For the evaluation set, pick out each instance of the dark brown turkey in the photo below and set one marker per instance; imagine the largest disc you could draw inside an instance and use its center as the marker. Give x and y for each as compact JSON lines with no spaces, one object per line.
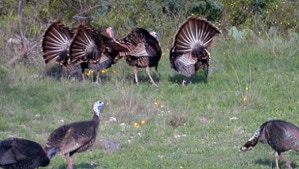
{"x":280,"y":135}
{"x":18,"y":153}
{"x":91,"y":48}
{"x":189,"y":51}
{"x":55,"y":45}
{"x":75,"y":137}
{"x":140,"y":49}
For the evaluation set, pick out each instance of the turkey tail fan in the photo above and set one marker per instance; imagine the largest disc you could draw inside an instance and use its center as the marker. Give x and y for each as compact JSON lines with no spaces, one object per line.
{"x":192,"y":32}
{"x":56,"y":42}
{"x":189,"y":51}
{"x":87,"y":45}
{"x":253,"y":140}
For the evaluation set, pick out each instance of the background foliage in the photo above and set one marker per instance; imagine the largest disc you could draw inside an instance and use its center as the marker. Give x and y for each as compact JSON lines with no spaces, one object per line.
{"x":162,"y":16}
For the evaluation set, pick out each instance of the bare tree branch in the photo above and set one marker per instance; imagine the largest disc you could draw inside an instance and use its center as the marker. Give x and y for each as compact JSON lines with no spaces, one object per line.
{"x":24,"y":42}
{"x":20,"y":14}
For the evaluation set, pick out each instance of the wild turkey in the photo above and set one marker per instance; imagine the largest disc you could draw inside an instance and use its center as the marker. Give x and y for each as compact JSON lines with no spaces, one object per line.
{"x":18,"y":153}
{"x":280,"y":135}
{"x":75,"y":137}
{"x":189,"y":51}
{"x":55,"y":45}
{"x":140,"y":49}
{"x":90,"y":48}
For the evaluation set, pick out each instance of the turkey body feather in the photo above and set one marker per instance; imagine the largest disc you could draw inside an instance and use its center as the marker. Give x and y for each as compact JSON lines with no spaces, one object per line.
{"x":74,"y":137}
{"x":17,"y":153}
{"x":280,"y":135}
{"x":189,"y":51}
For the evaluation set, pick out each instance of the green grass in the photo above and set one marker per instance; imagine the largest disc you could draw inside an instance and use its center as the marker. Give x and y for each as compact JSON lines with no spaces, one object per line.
{"x":201,"y":125}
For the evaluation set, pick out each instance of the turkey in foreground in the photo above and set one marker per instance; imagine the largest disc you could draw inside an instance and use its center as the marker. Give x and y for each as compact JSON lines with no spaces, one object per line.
{"x":20,"y":153}
{"x":189,"y":51}
{"x":75,"y":137}
{"x":55,"y":45}
{"x":140,"y":49}
{"x":280,"y":135}
{"x":89,"y":48}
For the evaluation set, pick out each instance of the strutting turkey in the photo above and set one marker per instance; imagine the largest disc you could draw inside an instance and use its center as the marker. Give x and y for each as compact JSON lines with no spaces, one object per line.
{"x":280,"y":135}
{"x":75,"y":137}
{"x":140,"y":49}
{"x":55,"y":45}
{"x":91,"y":48}
{"x":18,"y":153}
{"x":189,"y":51}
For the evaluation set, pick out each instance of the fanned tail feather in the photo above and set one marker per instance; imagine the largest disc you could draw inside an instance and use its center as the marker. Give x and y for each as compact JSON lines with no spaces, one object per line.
{"x":254,"y":139}
{"x":192,"y":32}
{"x":55,"y":43}
{"x":87,"y":45}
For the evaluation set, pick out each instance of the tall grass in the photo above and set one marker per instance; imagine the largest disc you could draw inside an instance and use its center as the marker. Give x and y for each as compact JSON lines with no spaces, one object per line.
{"x":201,"y":125}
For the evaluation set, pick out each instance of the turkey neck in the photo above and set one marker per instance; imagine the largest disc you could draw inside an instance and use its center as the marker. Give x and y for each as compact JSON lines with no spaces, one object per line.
{"x":96,"y":120}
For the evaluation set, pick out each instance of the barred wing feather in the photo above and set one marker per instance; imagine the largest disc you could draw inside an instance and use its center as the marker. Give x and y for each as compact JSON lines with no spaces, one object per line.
{"x":139,"y":43}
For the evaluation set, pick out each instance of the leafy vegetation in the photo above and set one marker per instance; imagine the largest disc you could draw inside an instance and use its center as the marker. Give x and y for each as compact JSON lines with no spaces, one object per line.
{"x":253,"y":78}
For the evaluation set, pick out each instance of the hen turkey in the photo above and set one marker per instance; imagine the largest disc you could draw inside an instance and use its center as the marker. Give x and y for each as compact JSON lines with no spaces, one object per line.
{"x":280,"y":135}
{"x":18,"y":153}
{"x":55,"y":45}
{"x":89,"y":47}
{"x":140,"y":49}
{"x":189,"y":51}
{"x":75,"y":137}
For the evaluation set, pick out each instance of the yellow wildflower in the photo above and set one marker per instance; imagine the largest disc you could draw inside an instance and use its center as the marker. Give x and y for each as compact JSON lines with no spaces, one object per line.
{"x":89,"y":72}
{"x":244,"y":99}
{"x":156,"y":103}
{"x":136,"y":124}
{"x":143,"y":121}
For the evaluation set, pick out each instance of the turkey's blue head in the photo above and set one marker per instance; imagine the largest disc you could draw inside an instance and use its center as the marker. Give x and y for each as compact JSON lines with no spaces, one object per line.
{"x":97,"y":107}
{"x":154,"y":34}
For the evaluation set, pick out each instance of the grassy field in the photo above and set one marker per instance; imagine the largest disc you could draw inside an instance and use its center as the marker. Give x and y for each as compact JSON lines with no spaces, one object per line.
{"x":201,"y":125}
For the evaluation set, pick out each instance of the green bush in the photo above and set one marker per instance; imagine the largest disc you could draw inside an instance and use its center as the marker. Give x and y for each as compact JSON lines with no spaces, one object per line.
{"x":211,"y":9}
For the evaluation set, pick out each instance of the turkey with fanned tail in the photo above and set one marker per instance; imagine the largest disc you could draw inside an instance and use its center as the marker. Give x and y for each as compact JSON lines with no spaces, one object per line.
{"x":140,"y":50}
{"x":55,"y":45}
{"x":75,"y":137}
{"x":189,"y":51}
{"x":90,"y":48}
{"x":18,"y":153}
{"x":280,"y":135}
